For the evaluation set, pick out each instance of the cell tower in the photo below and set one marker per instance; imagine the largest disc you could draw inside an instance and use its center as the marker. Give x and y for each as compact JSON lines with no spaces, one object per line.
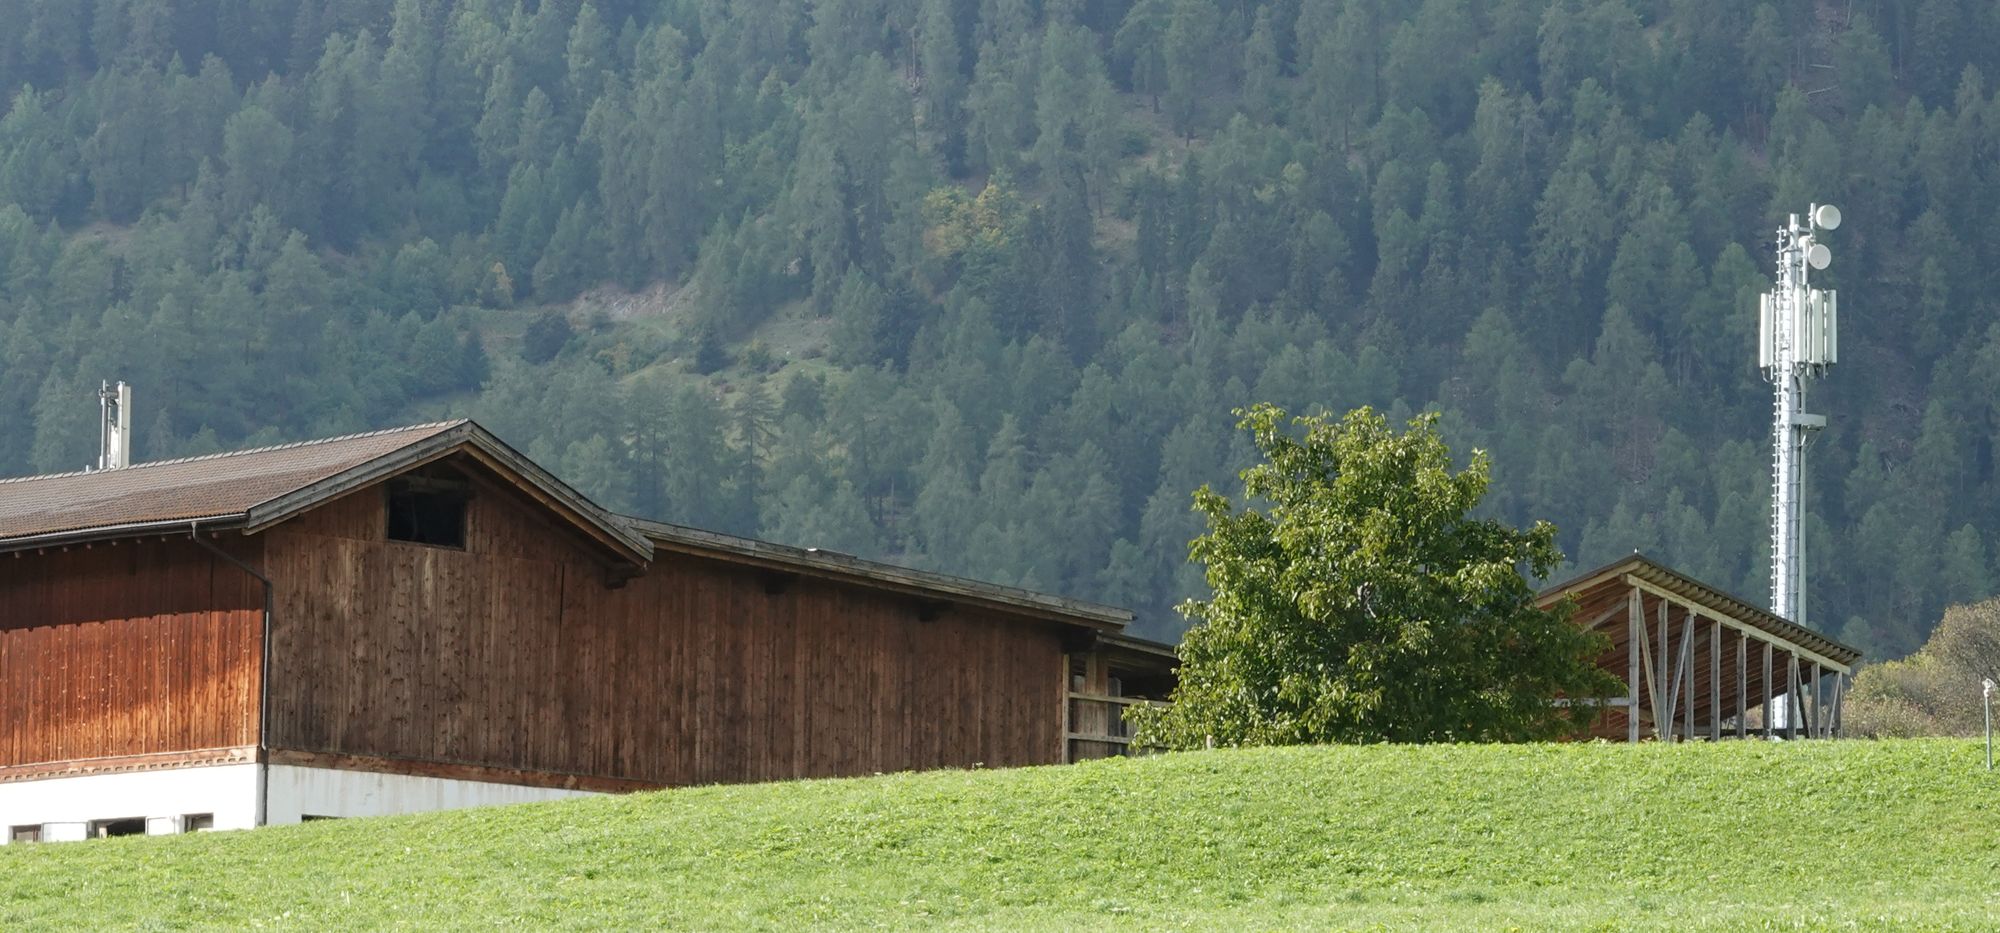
{"x":1797,"y":341}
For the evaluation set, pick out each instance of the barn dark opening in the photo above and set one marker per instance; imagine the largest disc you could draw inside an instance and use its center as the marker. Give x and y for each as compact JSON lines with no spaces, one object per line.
{"x":425,"y":514}
{"x":129,"y":826}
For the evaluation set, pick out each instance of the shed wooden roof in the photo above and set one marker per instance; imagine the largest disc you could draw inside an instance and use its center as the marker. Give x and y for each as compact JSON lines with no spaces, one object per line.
{"x":1601,"y":594}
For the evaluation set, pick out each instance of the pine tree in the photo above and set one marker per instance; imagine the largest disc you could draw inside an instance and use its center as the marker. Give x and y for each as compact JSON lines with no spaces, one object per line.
{"x":588,"y":60}
{"x":944,"y":79}
{"x":1192,"y":52}
{"x":1261,"y":68}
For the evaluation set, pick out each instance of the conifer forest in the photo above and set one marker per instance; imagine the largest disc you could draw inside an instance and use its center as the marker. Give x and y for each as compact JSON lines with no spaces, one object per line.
{"x":974,"y":285}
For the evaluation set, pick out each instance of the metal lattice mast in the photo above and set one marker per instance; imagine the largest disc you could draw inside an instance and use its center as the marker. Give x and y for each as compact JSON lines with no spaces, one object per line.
{"x":1797,"y":342}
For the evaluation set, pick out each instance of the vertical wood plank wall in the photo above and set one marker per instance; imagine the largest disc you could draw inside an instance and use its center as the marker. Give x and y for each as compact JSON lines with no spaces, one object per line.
{"x":137,"y":648}
{"x":513,"y":653}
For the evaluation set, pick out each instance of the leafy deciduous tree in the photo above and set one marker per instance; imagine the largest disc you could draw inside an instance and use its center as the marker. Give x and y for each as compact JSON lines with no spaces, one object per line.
{"x":1362,"y":603}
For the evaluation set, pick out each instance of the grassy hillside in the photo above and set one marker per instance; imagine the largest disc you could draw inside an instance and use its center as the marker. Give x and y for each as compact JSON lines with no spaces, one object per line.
{"x":1583,"y":837}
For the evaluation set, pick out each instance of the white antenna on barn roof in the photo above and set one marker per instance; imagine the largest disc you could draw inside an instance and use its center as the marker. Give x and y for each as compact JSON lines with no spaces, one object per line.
{"x":1796,"y":342}
{"x":114,"y":426}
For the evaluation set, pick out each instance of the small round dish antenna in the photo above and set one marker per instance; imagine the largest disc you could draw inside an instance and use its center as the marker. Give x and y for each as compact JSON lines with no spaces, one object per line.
{"x":1817,"y":255}
{"x":1826,"y":217}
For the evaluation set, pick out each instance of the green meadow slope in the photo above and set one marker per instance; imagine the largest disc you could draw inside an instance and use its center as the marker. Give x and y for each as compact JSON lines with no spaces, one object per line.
{"x":1837,"y":835}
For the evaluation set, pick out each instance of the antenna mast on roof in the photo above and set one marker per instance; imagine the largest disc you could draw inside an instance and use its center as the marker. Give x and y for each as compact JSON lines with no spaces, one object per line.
{"x":114,"y":426}
{"x":1796,"y":342}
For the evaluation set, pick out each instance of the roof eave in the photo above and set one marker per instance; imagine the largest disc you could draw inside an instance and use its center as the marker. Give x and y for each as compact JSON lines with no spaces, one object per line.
{"x":220,"y":522}
{"x":845,"y":567}
{"x":618,"y":532}
{"x":1145,"y":646}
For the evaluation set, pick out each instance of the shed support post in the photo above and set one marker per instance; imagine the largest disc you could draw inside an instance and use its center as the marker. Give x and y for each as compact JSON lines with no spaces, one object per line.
{"x":1742,"y":684}
{"x":1767,"y":691}
{"x":1663,"y":717}
{"x":1635,"y":624}
{"x":1656,"y":688}
{"x":1062,"y":693}
{"x":1791,"y":695}
{"x":1818,"y":719}
{"x":1715,"y":680}
{"x":1687,"y":676}
{"x":1839,"y":693}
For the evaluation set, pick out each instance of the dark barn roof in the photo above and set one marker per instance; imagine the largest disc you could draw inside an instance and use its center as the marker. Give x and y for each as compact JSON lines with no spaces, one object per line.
{"x":255,"y":489}
{"x":251,"y":490}
{"x":226,"y":484}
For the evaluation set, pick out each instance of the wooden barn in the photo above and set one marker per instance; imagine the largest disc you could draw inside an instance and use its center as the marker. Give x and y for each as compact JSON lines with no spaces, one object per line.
{"x":421,"y":618}
{"x":1699,"y":663}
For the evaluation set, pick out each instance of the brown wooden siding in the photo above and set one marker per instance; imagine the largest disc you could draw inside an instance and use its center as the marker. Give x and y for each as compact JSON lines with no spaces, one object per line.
{"x":514,"y":653}
{"x":144,"y":647}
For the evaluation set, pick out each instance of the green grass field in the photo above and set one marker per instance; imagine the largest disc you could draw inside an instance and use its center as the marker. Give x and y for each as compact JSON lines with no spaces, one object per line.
{"x":1800,"y":836}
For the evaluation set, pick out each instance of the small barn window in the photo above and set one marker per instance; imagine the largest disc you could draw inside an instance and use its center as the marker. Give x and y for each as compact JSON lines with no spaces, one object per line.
{"x":197,"y":822}
{"x":426,"y":516}
{"x":32,"y":833}
{"x":124,"y":826}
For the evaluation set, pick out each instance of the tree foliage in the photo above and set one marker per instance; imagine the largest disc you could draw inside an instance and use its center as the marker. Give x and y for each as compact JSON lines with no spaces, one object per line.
{"x":1936,"y":691}
{"x":1362,"y":602}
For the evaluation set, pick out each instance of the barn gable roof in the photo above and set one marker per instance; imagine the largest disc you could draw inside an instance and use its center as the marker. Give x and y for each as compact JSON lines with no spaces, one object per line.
{"x":252,"y":490}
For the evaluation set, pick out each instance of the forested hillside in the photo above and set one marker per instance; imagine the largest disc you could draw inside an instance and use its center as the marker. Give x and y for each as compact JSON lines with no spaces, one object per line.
{"x":974,"y":284}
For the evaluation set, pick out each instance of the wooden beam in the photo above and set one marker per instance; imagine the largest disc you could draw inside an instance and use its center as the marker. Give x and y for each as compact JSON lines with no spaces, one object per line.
{"x":1601,"y":618}
{"x":1683,"y":670}
{"x":1819,"y":709}
{"x":1655,"y":690}
{"x":1064,"y":693}
{"x":1767,"y":690}
{"x":1838,"y":723}
{"x":460,"y":771}
{"x":1106,"y":739}
{"x":1742,"y":685}
{"x":1715,"y":681}
{"x":1636,"y":641}
{"x":1791,"y":695}
{"x":1670,"y":681}
{"x":125,"y":764}
{"x":1688,"y":625}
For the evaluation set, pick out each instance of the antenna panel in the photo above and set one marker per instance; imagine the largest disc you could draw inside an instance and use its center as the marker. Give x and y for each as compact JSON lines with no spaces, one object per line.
{"x":1764,"y":335}
{"x":1816,"y":336}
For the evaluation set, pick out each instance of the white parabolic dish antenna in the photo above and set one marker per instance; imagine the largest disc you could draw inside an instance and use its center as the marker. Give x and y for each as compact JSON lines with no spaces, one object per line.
{"x":1818,"y":255}
{"x":1826,"y":217}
